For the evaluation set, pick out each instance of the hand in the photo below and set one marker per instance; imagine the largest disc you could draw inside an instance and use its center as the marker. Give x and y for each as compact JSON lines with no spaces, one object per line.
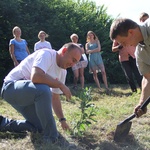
{"x":16,"y":63}
{"x":120,"y":47}
{"x":65,"y":126}
{"x":88,"y":51}
{"x":66,"y":91}
{"x":139,"y":112}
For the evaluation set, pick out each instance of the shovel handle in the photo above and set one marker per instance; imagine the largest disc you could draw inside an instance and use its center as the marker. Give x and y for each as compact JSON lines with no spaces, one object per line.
{"x":133,"y":115}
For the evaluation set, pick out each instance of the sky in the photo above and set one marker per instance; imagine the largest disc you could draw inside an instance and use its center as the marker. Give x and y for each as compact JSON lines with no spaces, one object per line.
{"x":126,"y":8}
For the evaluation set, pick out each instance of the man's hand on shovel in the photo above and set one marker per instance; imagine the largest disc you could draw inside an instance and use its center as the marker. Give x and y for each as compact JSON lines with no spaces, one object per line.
{"x":139,"y":112}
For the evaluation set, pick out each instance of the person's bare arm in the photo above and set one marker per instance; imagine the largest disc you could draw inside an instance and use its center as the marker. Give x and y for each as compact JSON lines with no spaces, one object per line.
{"x":144,"y":95}
{"x":86,"y":49}
{"x":39,"y":76}
{"x":12,"y":55}
{"x":98,"y":49}
{"x":82,"y":50}
{"x":27,"y":49}
{"x":57,"y":107}
{"x":116,"y":46}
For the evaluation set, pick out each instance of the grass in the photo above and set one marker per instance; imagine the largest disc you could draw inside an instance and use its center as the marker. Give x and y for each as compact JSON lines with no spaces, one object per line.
{"x":112,"y":109}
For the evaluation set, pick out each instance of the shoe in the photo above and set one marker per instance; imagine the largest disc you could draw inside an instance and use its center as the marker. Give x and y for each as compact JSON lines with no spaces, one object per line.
{"x":75,"y":87}
{"x":60,"y":142}
{"x":100,"y":90}
{"x":108,"y":91}
{"x":64,"y":144}
{"x":134,"y":90}
{"x":1,"y":118}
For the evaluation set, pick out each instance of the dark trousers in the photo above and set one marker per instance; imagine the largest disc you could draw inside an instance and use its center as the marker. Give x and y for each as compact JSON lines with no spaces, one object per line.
{"x":130,"y":68}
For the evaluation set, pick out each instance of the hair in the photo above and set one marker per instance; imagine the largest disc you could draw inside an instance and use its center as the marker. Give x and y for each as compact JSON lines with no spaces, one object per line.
{"x":70,"y":46}
{"x":14,"y":29}
{"x":91,"y":32}
{"x":46,"y":35}
{"x":142,"y":15}
{"x":74,"y":35}
{"x":121,"y":26}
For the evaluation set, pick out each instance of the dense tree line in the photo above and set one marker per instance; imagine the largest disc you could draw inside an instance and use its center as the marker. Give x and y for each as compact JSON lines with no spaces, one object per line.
{"x":59,"y":19}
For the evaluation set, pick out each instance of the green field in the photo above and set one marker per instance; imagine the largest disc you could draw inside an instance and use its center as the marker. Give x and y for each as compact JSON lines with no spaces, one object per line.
{"x":112,"y":108}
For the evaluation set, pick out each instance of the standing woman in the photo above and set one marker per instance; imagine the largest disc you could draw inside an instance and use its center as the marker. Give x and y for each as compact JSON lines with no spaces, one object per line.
{"x":128,"y":63}
{"x":93,"y":48}
{"x":18,"y":48}
{"x":78,"y":68}
{"x":42,"y":43}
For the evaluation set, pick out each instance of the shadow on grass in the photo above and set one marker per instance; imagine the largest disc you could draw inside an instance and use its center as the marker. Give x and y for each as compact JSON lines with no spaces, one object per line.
{"x":111,"y":92}
{"x":61,"y":144}
{"x":120,"y":93}
{"x":89,"y":142}
{"x":12,"y":135}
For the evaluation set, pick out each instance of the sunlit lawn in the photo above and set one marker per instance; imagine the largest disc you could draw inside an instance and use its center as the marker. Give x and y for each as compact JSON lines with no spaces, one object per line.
{"x":112,"y":109}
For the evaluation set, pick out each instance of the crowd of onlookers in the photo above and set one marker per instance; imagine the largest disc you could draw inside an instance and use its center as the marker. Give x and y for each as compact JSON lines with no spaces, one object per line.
{"x":19,"y":50}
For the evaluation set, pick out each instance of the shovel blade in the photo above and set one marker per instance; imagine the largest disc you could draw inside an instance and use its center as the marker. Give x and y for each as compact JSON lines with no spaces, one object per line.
{"x":122,"y":131}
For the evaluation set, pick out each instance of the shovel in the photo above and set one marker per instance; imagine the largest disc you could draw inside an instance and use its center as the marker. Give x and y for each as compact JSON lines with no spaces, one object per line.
{"x":123,"y":127}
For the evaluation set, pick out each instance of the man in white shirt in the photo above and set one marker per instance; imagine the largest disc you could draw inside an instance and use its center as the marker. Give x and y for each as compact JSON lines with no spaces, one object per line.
{"x":34,"y":87}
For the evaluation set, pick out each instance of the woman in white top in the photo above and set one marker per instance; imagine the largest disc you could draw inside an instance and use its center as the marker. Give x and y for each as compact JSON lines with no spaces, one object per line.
{"x":42,"y":43}
{"x":78,"y":68}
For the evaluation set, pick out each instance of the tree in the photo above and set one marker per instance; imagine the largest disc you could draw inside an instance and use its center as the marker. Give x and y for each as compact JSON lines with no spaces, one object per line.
{"x":59,"y":19}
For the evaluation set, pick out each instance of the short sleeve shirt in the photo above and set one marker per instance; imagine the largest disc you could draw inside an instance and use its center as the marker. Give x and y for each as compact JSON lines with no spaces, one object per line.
{"x":20,"y":47}
{"x":44,"y":59}
{"x":41,"y":45}
{"x":143,"y":49}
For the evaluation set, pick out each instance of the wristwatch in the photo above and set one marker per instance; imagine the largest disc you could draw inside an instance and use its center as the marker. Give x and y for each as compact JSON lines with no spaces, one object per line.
{"x":62,"y":119}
